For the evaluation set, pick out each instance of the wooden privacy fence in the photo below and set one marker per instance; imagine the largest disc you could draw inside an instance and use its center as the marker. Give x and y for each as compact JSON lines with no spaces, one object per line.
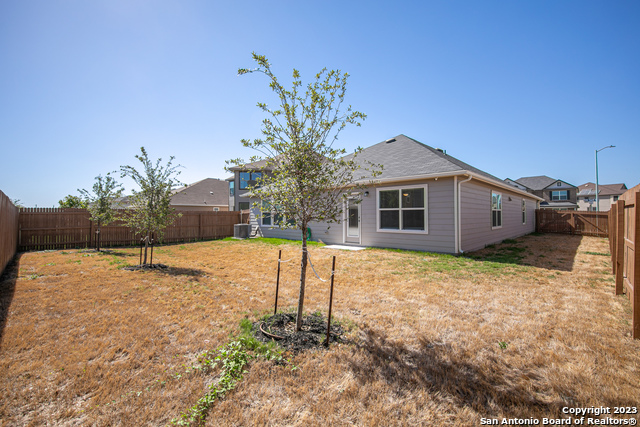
{"x":624,"y":218}
{"x":55,"y":228}
{"x":8,"y":230}
{"x":572,"y":222}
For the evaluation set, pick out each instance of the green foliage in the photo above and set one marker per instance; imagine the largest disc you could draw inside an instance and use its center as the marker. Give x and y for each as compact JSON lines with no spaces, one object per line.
{"x":308,"y":175}
{"x":598,"y":253}
{"x":101,"y":199}
{"x":307,"y":178}
{"x":100,"y":202}
{"x":150,"y":212}
{"x":72,"y":202}
{"x":232,"y":359}
{"x":17,"y":203}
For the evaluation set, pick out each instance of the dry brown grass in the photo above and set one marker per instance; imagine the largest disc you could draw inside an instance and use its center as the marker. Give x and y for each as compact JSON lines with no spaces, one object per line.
{"x":88,"y":343}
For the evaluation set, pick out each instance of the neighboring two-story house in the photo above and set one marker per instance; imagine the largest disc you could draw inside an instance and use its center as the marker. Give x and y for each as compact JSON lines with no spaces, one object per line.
{"x":243,"y":177}
{"x":557,"y":194}
{"x":607,"y":194}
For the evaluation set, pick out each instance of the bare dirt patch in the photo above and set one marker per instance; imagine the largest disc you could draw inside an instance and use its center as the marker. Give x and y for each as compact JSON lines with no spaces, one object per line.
{"x":281,"y":328}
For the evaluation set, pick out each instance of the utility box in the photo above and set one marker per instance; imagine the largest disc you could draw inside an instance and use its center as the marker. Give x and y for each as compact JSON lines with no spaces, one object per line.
{"x":241,"y":231}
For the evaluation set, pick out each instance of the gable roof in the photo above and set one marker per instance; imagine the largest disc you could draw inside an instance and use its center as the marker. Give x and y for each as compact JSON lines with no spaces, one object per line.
{"x":197,"y":194}
{"x":402,"y":156}
{"x":536,"y":182}
{"x":405,"y":158}
{"x":207,"y":192}
{"x":589,"y":189}
{"x":250,"y":166}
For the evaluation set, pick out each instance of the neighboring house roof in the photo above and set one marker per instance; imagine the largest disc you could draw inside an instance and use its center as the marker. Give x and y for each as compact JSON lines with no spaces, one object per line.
{"x":556,"y":205}
{"x":207,"y":192}
{"x":516,"y":184}
{"x":539,"y":182}
{"x":250,"y":166}
{"x":589,"y":189}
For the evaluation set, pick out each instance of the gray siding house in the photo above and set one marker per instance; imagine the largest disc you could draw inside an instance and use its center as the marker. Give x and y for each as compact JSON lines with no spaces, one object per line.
{"x":424,"y":200}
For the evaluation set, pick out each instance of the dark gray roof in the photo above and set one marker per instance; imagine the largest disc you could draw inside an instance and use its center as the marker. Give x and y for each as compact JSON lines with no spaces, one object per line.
{"x":208,"y":192}
{"x":250,"y":166}
{"x":536,"y":182}
{"x":196,"y":194}
{"x":558,"y":205}
{"x":403,"y":157}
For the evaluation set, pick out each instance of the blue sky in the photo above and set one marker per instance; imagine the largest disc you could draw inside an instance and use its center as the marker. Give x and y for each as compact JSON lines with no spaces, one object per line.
{"x":516,"y":88}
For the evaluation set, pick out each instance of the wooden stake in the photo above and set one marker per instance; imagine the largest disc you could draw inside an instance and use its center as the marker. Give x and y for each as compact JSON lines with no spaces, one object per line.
{"x":275,"y":309}
{"x":333,"y":270}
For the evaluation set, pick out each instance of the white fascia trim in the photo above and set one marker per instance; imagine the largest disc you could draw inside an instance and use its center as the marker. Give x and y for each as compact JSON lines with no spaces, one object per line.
{"x":450,"y":174}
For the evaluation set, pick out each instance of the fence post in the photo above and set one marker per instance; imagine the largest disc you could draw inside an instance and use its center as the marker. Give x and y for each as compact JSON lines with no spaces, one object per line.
{"x":619,"y":251}
{"x":635,"y":280}
{"x":613,"y":226}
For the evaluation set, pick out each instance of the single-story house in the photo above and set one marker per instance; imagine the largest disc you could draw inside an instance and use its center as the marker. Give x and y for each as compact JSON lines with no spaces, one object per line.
{"x":424,"y":200}
{"x":207,"y":195}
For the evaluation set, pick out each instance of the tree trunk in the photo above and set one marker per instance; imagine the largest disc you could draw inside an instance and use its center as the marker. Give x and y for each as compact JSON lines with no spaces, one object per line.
{"x":98,"y":238}
{"x":303,"y":276}
{"x":146,"y":248}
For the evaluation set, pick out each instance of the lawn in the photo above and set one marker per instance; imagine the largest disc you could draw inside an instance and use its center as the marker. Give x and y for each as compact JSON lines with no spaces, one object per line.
{"x":521,"y":329}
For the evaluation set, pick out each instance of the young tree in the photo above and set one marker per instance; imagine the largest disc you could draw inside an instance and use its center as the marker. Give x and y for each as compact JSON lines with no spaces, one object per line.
{"x":100,"y":202}
{"x":309,"y":177}
{"x":72,"y":202}
{"x":150,"y":212}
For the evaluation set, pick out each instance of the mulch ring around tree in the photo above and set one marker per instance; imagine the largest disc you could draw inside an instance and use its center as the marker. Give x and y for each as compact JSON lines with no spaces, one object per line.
{"x":282,"y":329}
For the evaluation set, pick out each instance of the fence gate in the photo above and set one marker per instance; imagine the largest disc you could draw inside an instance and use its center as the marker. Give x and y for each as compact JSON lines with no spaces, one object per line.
{"x":572,"y":222}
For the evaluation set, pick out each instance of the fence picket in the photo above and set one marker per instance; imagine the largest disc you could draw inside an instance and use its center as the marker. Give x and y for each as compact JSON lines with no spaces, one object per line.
{"x":63,"y":228}
{"x":572,"y":222}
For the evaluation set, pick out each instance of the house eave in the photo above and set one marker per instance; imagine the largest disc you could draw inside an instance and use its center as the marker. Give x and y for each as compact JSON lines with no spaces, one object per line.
{"x":450,"y":175}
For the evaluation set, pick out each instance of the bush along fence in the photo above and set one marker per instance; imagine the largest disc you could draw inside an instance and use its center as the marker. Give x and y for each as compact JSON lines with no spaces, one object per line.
{"x":8,"y":231}
{"x":572,"y":222}
{"x":624,"y":218}
{"x":56,"y":228}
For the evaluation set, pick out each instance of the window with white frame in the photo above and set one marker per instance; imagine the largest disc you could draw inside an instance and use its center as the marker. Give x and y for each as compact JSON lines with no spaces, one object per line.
{"x":403,"y":209}
{"x":524,"y":211}
{"x":270,"y":218}
{"x":496,"y":210}
{"x":560,"y":195}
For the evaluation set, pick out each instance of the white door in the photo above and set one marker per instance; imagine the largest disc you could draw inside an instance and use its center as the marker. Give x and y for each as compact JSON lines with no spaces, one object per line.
{"x":352,"y":223}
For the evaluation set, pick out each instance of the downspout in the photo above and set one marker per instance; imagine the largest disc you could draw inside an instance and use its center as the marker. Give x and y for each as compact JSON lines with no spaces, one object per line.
{"x":458,"y":222}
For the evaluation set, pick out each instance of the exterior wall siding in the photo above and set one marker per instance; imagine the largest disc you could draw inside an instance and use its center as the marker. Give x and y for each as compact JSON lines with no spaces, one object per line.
{"x":476,"y":227}
{"x":475,"y":206}
{"x":440,"y":236}
{"x":440,"y":223}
